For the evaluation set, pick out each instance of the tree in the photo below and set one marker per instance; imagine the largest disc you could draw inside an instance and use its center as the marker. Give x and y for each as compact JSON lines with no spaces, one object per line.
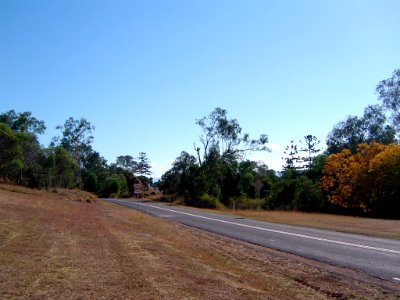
{"x":389,"y":93}
{"x":308,"y":195}
{"x":290,"y":159}
{"x":77,"y":139}
{"x":311,"y":142}
{"x":371,"y":127}
{"x":143,"y":164}
{"x":22,"y":122}
{"x":179,"y":179}
{"x":32,"y":156}
{"x":367,"y":181}
{"x":127,"y":163}
{"x":385,"y":171}
{"x":65,"y":167}
{"x":95,"y":172}
{"x":219,"y":131}
{"x":10,"y":150}
{"x":21,"y":153}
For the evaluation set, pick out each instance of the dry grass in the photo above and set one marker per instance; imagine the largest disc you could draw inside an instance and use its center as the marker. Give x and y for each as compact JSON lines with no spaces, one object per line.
{"x":54,"y":248}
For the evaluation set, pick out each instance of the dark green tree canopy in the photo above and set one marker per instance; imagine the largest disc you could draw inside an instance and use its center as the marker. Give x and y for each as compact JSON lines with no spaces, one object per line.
{"x":389,"y":93}
{"x":76,"y":136}
{"x":127,"y":163}
{"x":143,"y":164}
{"x":22,"y":122}
{"x":183,"y":162}
{"x":76,"y":139}
{"x":290,"y":155}
{"x":372,"y":126}
{"x":310,"y":147}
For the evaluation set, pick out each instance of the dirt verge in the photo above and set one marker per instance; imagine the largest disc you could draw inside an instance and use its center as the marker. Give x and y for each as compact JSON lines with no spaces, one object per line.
{"x":55,"y":248}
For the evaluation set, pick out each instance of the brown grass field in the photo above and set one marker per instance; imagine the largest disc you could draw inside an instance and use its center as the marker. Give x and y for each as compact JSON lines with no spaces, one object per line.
{"x":53,"y":246}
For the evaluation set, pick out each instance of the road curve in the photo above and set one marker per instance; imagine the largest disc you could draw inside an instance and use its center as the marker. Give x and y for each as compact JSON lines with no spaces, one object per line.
{"x":375,"y":256}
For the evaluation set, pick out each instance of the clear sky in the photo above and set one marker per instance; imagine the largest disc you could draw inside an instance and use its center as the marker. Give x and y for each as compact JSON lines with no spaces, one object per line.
{"x":143,"y":71}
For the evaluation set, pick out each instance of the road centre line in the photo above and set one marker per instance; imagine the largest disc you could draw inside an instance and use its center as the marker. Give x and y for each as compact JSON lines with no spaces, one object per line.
{"x":276,"y":231}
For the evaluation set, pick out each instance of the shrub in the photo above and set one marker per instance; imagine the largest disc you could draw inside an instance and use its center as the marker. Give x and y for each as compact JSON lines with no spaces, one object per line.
{"x":246,"y":203}
{"x":205,"y":201}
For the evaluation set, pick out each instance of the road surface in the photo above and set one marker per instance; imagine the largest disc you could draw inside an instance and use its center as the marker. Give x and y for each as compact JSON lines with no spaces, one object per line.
{"x":375,"y":256}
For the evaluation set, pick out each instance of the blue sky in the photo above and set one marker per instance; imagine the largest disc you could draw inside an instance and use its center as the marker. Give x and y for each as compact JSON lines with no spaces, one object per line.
{"x":143,"y":71}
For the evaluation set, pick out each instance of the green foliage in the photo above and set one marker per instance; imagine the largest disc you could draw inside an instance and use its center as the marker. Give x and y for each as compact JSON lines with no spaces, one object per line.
{"x":143,"y":165}
{"x":311,"y":143}
{"x":389,"y":93}
{"x":295,"y":190}
{"x":10,"y":150}
{"x":76,"y":139}
{"x":283,"y":191}
{"x":226,"y":135}
{"x":242,"y":202}
{"x":22,"y":122}
{"x":64,"y":168}
{"x":308,"y":195}
{"x":70,"y":160}
{"x":112,"y":186}
{"x":205,"y":201}
{"x":127,"y":163}
{"x":371,"y":127}
{"x":290,"y":152}
{"x":91,"y":183}
{"x":21,"y":154}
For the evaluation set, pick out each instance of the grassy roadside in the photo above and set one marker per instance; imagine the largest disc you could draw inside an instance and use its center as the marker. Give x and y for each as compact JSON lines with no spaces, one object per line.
{"x":57,"y":247}
{"x":367,"y":226}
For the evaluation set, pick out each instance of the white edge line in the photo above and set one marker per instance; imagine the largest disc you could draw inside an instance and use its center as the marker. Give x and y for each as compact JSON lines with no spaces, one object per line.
{"x":276,"y":231}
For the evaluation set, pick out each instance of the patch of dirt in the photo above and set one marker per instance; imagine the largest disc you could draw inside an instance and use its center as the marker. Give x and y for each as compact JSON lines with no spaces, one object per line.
{"x":54,"y":248}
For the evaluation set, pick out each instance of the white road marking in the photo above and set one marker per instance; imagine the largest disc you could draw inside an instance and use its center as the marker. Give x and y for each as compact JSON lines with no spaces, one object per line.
{"x":397,"y":279}
{"x":276,"y":231}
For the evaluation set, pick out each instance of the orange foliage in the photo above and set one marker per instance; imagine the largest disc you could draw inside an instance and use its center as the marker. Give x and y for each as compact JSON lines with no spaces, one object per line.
{"x":368,"y":180}
{"x":338,"y":178}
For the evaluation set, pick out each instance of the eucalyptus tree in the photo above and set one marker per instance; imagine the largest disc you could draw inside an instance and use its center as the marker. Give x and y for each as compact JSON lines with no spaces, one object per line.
{"x":10,"y":158}
{"x":77,"y":139}
{"x":95,"y":172}
{"x":21,"y":153}
{"x":127,"y":163}
{"x":226,"y":134}
{"x":180,"y":178}
{"x":372,"y":126}
{"x":389,"y":93}
{"x":22,"y":122}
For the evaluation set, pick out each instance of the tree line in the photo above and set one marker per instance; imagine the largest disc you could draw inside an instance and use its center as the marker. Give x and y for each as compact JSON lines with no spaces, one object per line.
{"x":358,"y":173}
{"x":69,"y":161}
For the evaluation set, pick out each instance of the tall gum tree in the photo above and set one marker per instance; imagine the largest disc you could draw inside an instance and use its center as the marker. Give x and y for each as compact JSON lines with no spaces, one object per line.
{"x":77,"y":139}
{"x":226,"y":134}
{"x":388,"y":91}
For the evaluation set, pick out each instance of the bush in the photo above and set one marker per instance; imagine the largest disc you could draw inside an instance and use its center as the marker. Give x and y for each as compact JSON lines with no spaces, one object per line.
{"x":205,"y":201}
{"x":246,"y":203}
{"x":112,"y":187}
{"x":308,"y":195}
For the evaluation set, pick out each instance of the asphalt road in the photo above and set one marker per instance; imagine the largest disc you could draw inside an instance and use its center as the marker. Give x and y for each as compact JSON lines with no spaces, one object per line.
{"x":375,"y":256}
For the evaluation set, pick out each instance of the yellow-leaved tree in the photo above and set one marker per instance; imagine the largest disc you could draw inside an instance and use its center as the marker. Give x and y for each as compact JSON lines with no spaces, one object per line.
{"x":368,"y":180}
{"x":384,"y":168}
